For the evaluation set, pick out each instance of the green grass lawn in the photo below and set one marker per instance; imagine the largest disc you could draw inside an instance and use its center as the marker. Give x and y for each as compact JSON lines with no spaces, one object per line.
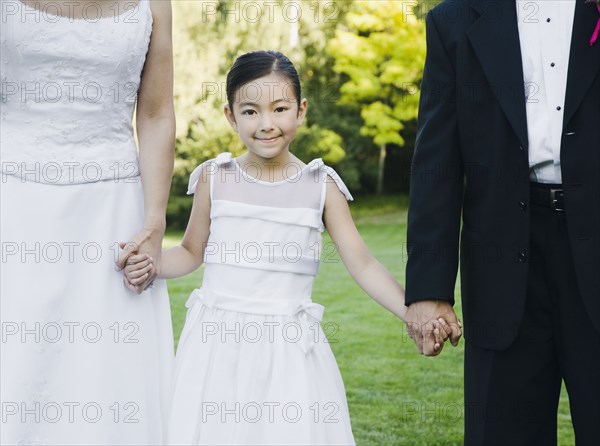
{"x":395,"y":395}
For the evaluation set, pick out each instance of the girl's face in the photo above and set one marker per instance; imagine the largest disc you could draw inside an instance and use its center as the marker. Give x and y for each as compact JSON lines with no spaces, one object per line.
{"x":266,"y":115}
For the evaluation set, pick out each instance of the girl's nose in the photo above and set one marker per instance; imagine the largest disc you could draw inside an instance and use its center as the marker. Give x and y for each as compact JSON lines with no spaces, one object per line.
{"x":266,"y":124}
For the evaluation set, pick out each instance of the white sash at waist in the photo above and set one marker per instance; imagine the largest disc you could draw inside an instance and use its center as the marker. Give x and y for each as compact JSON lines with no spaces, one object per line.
{"x":305,"y":310}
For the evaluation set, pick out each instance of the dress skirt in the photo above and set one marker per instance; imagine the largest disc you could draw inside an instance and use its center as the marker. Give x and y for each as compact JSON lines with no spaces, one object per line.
{"x":246,"y":377}
{"x":83,"y":359}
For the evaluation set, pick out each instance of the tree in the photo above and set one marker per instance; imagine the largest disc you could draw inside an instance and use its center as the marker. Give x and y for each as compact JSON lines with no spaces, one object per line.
{"x":381,"y":51}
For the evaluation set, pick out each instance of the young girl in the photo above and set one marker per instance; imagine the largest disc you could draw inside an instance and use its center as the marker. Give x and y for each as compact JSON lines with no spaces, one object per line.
{"x":253,"y":364}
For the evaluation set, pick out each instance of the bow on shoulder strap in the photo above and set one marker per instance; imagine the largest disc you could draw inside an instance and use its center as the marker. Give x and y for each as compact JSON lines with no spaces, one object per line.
{"x":210,"y":166}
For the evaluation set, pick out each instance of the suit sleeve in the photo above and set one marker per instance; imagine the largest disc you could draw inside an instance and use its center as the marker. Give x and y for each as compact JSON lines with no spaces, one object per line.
{"x":436,"y":184}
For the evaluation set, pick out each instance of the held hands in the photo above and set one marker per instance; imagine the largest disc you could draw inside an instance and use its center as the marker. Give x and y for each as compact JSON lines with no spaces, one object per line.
{"x":138,"y":269}
{"x":143,"y":246}
{"x":430,"y":323}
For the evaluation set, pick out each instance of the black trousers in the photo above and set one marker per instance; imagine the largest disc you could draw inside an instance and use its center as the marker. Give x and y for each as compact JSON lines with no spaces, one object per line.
{"x":511,"y":396}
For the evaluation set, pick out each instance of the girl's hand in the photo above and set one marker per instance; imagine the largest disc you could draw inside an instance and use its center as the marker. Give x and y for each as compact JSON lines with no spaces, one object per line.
{"x":441,"y":332}
{"x":147,"y":241}
{"x":138,"y":268}
{"x":422,"y":319}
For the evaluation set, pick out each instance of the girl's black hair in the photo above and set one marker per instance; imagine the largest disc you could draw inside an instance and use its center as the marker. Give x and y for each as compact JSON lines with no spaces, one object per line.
{"x":257,"y":64}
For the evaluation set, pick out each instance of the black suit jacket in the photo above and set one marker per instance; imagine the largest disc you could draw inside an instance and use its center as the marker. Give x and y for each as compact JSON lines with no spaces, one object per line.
{"x":471,"y":160}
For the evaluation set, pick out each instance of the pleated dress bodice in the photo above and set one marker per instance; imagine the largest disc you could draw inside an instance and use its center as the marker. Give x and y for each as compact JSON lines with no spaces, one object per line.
{"x":265,"y":239}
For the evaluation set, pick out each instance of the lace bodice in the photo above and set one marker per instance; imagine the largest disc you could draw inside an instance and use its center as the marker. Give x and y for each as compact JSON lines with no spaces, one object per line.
{"x":69,"y":89}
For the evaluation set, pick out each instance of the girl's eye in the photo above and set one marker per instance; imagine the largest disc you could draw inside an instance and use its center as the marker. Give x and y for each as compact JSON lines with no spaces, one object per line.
{"x":248,"y":112}
{"x":281,"y":109}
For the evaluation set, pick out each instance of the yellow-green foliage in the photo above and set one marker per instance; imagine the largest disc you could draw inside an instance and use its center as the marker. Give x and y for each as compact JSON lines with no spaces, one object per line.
{"x":381,"y":49}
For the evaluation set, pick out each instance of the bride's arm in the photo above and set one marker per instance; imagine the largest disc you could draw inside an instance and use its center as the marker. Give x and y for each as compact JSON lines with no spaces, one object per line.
{"x":155,"y":117}
{"x":155,"y":123}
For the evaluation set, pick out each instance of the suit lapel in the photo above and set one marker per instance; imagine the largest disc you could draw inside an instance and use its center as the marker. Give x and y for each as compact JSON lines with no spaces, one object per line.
{"x":495,"y":40}
{"x":584,"y":60}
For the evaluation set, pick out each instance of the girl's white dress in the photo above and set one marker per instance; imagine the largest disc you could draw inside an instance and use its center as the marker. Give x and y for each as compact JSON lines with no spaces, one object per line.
{"x":83,"y":359}
{"x":253,"y":365}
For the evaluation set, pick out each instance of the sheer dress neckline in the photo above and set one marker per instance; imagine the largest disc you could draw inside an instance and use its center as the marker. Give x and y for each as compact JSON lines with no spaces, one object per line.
{"x":273,"y":183}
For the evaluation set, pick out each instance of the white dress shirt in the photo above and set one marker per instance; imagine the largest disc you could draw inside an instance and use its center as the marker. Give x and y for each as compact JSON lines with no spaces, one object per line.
{"x":545,"y":28}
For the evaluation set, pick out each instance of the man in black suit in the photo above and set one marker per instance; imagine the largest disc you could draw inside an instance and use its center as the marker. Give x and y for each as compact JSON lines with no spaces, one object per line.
{"x":509,"y":139}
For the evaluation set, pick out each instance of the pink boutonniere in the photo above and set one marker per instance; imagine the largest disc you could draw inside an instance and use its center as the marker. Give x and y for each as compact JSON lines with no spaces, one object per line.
{"x":597,"y":29}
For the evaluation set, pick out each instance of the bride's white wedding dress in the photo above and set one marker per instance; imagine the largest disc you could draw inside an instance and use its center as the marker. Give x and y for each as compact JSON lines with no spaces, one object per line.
{"x":83,"y":359}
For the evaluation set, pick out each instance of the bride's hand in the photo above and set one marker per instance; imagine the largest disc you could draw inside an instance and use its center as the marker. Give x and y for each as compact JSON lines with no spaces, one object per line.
{"x":147,"y":241}
{"x":138,"y":269}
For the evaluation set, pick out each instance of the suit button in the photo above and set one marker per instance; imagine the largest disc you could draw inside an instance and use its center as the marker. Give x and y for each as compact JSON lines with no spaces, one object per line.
{"x":522,"y":257}
{"x":521,"y":148}
{"x":523,"y":205}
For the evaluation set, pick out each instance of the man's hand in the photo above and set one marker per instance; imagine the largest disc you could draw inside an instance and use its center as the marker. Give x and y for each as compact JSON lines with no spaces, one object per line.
{"x":430,"y":321}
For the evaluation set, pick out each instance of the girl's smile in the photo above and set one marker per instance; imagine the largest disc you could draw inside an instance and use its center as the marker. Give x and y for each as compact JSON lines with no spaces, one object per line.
{"x":268,"y":140}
